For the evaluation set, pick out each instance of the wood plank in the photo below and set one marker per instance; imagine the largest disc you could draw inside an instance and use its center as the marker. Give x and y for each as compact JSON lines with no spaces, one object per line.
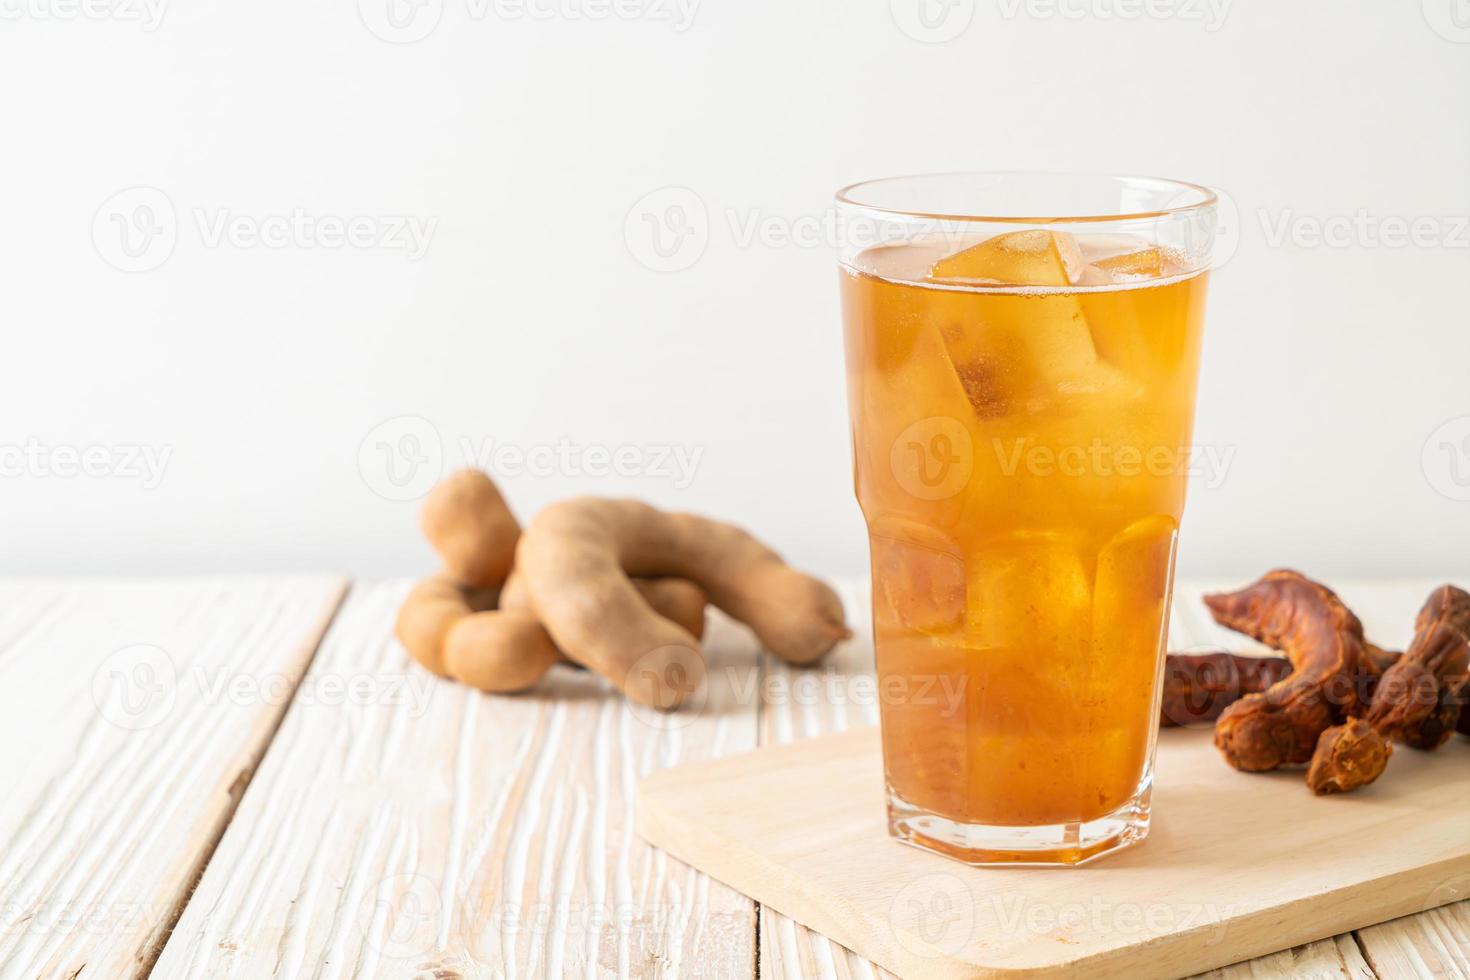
{"x":1329,"y":959}
{"x":1237,"y":865}
{"x":468,"y":834}
{"x":1434,"y":943}
{"x":790,"y":711}
{"x":133,"y":714}
{"x":790,"y":950}
{"x":798,"y":703}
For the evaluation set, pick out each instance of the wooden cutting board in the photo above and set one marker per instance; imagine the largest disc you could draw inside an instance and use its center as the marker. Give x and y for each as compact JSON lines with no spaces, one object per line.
{"x":1236,"y":865}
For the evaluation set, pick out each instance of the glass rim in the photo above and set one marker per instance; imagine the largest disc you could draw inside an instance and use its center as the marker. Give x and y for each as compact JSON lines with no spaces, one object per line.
{"x":848,"y":196}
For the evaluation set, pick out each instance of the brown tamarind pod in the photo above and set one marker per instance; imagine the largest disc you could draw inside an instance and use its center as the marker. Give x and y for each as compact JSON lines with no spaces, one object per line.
{"x":577,"y":556}
{"x":672,"y":598}
{"x":428,"y":612}
{"x":499,"y":651}
{"x":1323,"y":640}
{"x":1418,"y":698}
{"x":676,"y":599}
{"x":1199,"y":686}
{"x":472,"y":528}
{"x":1452,"y":606}
{"x":1348,"y":756}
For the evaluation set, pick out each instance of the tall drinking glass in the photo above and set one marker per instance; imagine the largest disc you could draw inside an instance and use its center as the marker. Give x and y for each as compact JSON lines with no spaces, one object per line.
{"x":1022,"y":355}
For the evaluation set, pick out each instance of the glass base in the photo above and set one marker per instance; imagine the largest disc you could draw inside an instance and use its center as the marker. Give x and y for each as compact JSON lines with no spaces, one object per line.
{"x":1049,"y":845}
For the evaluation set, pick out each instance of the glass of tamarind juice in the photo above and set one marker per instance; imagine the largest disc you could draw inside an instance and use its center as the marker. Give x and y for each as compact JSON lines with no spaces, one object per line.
{"x":1022,"y":355}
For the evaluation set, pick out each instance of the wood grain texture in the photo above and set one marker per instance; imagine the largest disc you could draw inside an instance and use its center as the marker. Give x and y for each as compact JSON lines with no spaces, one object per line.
{"x":1328,"y":959}
{"x":1386,"y":607}
{"x":1235,"y":866}
{"x":448,"y":833}
{"x":1435,"y":943}
{"x":798,"y":703}
{"x":132,"y":714}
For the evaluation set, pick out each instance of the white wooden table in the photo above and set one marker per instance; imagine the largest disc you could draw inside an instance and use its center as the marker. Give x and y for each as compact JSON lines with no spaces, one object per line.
{"x":248,"y":778}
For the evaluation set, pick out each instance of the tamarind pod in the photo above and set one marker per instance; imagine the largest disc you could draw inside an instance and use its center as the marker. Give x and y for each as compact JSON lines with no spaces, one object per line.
{"x":1379,"y":659}
{"x":677,"y":600}
{"x":672,"y":598}
{"x":1348,"y":756}
{"x":1420,"y":698}
{"x":573,"y":548}
{"x":472,"y":528}
{"x":1199,"y":686}
{"x":572,"y":561}
{"x":1452,"y":605}
{"x":1324,"y":642}
{"x":1446,"y":604}
{"x":498,"y":651}
{"x":428,"y":612}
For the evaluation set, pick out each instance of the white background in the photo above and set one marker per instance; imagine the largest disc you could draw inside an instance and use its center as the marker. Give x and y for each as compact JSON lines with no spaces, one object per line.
{"x":528,"y":136}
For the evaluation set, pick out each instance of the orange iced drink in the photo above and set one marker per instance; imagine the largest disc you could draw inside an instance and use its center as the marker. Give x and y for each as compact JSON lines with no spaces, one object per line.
{"x":1021,"y":405}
